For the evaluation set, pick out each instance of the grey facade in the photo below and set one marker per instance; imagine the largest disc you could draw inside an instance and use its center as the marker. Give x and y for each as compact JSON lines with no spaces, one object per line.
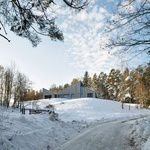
{"x":48,"y":94}
{"x":76,"y":90}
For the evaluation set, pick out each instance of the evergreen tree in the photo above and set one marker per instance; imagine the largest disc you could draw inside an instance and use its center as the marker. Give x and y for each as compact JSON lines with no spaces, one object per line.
{"x":60,"y":88}
{"x":133,"y":81}
{"x":66,"y":85}
{"x":113,"y":83}
{"x":86,"y":80}
{"x":124,"y":92}
{"x":101,"y":86}
{"x":140,"y":91}
{"x":75,"y":80}
{"x":147,"y":85}
{"x":138,"y":85}
{"x":94,"y":82}
{"x":53,"y":88}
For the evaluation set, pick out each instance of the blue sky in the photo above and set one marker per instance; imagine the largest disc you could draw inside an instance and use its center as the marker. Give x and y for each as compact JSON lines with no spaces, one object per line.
{"x":59,"y":62}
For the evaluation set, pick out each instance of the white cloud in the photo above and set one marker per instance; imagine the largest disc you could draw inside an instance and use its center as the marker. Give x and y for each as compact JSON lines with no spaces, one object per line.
{"x":82,"y":33}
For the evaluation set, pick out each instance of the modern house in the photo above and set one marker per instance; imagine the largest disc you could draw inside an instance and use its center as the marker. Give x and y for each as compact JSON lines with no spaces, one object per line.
{"x":48,"y":94}
{"x":76,"y":90}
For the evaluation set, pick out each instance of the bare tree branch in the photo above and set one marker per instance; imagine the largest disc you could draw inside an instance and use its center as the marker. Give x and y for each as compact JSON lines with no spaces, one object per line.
{"x":30,"y":19}
{"x":5,"y":37}
{"x":130,"y":27}
{"x":76,"y":4}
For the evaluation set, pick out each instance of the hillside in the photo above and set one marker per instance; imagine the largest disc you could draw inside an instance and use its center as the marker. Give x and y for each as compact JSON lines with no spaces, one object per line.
{"x":38,"y":131}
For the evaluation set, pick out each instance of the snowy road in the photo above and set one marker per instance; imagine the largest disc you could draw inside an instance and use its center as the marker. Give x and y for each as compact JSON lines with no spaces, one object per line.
{"x":107,"y":136}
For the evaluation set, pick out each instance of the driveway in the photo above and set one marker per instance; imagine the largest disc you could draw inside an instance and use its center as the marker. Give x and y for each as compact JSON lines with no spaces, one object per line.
{"x":107,"y":136}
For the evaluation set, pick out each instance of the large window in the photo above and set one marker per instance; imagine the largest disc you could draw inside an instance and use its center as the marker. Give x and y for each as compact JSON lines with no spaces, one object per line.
{"x":48,"y":96}
{"x":72,"y":96}
{"x":66,"y":96}
{"x":60,"y":96}
{"x":89,"y":94}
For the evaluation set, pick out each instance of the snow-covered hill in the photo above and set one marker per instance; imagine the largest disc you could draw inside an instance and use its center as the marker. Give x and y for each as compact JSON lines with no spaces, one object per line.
{"x":38,"y":131}
{"x":89,"y":109}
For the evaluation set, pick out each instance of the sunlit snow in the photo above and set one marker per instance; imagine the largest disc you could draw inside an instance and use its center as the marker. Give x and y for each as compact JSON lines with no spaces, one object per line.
{"x":38,"y":131}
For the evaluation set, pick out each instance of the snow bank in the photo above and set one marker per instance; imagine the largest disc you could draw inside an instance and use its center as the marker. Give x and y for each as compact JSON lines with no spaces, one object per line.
{"x":89,"y":109}
{"x":147,"y":145}
{"x":30,"y":132}
{"x":141,"y":133}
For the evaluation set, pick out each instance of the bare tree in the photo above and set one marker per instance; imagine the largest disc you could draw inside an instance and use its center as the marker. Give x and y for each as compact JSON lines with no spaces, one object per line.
{"x":1,"y":83}
{"x":129,"y":27}
{"x":31,"y":18}
{"x":21,"y":84}
{"x":8,"y":85}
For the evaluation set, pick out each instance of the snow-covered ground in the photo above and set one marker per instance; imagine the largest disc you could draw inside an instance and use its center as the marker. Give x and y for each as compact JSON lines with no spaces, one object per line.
{"x":40,"y":132}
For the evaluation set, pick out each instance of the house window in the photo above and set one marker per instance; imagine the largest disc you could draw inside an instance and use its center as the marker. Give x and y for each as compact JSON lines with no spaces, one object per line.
{"x":66,"y":96}
{"x":89,"y":94}
{"x":60,"y":96}
{"x":48,"y":96}
{"x":72,"y":96}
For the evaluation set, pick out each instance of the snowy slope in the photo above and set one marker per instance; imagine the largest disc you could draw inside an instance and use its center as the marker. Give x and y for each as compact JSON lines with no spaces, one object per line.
{"x":37,"y":131}
{"x":90,"y":109}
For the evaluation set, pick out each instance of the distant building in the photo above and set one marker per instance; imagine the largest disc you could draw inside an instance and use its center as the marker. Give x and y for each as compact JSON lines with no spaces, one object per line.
{"x":76,"y":90}
{"x":48,"y":94}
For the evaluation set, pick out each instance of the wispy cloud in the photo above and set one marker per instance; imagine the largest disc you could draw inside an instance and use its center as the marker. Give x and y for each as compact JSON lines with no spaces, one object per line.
{"x":82,"y":33}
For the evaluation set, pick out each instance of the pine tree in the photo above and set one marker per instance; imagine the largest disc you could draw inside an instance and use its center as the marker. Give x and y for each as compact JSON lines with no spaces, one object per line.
{"x":101,"y":86}
{"x":147,"y":85}
{"x":66,"y":85}
{"x":113,"y":84}
{"x":124,"y":92}
{"x":75,"y":80}
{"x":139,"y":91}
{"x":86,"y":80}
{"x":133,"y":81}
{"x":94,"y":82}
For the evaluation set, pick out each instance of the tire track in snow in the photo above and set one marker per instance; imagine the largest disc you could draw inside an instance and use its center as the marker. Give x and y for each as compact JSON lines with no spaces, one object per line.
{"x":111,"y":135}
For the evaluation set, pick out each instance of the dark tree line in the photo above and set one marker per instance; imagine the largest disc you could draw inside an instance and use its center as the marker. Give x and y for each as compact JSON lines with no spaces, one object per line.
{"x":131,"y":86}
